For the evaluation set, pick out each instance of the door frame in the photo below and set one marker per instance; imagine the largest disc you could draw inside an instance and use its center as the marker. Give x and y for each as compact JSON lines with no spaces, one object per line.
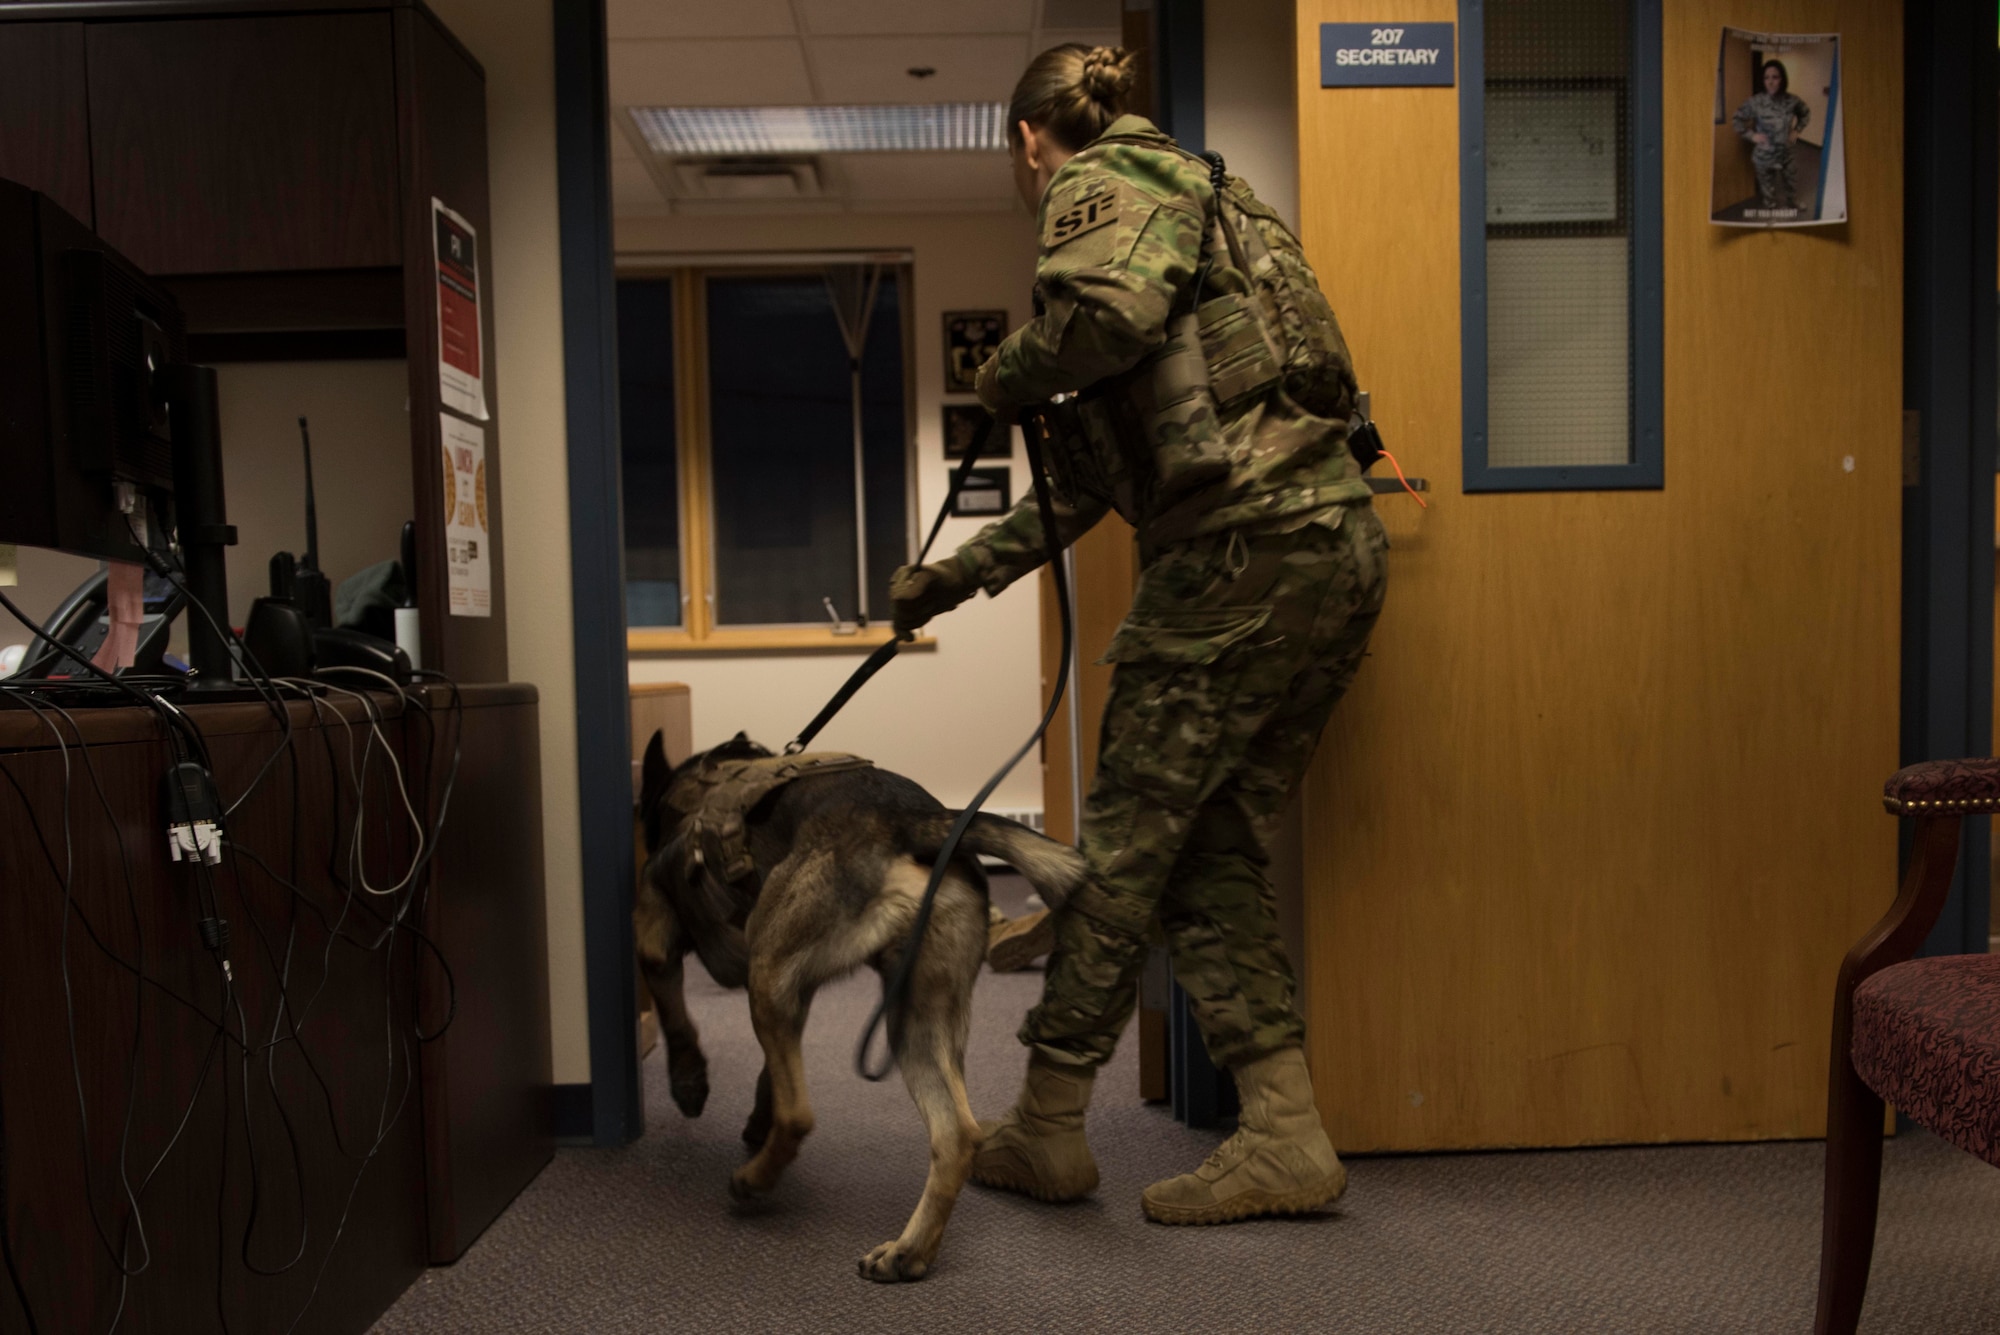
{"x":1951,"y":398}
{"x":607,"y":1111}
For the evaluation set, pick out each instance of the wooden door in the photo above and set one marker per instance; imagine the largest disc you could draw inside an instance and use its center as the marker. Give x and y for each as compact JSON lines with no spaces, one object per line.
{"x":1589,"y":837}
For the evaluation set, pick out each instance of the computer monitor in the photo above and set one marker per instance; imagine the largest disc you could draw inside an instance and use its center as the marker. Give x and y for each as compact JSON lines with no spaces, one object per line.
{"x":109,"y":438}
{"x":86,"y":431}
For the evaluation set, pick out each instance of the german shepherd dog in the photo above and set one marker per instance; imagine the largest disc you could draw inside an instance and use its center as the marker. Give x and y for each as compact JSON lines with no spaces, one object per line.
{"x":842,"y":860}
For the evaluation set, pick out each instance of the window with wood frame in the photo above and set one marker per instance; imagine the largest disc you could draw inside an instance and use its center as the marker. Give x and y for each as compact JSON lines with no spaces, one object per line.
{"x":766,"y":428}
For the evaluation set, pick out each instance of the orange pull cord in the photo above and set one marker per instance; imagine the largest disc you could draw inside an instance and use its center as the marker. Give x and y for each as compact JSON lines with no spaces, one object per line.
{"x":1414,"y":494}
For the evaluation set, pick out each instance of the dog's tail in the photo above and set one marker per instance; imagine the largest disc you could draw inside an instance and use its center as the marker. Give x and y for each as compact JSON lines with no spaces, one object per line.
{"x":1055,"y":870}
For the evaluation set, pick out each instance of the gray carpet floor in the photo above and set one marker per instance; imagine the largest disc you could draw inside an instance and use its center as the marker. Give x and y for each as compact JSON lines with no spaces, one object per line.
{"x":1680,"y":1239}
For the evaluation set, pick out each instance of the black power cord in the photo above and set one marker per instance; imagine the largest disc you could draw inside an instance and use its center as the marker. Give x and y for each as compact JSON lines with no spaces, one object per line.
{"x":288,"y":1021}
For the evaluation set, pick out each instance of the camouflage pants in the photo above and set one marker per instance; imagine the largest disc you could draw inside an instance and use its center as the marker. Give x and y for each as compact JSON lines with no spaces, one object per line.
{"x":1777,"y":176}
{"x":1237,"y":647}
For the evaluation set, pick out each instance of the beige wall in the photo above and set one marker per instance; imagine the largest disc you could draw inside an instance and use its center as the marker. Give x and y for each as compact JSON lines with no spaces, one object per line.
{"x":359,"y":413}
{"x":946,"y":717}
{"x":512,"y":39}
{"x":46,"y":579}
{"x":1248,"y":100}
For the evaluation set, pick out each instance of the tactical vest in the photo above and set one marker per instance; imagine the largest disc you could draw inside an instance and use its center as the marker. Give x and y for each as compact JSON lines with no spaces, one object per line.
{"x":1164,"y":416}
{"x":719,"y":798}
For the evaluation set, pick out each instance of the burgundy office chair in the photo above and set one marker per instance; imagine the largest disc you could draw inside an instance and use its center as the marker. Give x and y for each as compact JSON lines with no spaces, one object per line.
{"x":1923,"y":1034}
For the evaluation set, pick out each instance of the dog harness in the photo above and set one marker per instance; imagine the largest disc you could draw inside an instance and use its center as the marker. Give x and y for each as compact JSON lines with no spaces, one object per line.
{"x":720,"y":796}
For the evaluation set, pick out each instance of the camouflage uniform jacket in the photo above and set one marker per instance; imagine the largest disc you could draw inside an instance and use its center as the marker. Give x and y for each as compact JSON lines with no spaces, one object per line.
{"x":1125,"y":229}
{"x":1776,"y":118}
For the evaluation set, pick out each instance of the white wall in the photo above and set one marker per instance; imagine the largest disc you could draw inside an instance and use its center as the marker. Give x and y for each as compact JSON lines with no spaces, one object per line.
{"x":513,"y":40}
{"x":1249,"y":102}
{"x":359,"y":412}
{"x":46,"y":578}
{"x":946,"y":717}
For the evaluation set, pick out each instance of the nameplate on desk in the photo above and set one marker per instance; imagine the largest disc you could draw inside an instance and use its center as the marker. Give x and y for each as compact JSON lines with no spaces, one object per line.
{"x":1387,"y":55}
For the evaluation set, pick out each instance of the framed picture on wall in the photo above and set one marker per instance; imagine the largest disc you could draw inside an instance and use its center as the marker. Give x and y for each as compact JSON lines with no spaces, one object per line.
{"x":970,"y":337}
{"x":962,"y":424}
{"x":988,"y":493}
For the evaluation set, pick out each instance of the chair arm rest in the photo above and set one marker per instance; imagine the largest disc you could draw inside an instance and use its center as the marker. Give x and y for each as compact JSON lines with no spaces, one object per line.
{"x":1944,"y":788}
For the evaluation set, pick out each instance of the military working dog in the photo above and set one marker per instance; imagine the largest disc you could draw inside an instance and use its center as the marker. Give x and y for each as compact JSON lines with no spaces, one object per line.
{"x":783,"y":874}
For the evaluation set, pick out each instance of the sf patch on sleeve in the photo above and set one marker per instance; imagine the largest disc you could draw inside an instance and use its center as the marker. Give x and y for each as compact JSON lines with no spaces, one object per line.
{"x":1094,"y":222}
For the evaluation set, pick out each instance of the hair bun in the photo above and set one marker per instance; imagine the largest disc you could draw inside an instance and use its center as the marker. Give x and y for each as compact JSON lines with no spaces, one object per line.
{"x":1107,"y":75}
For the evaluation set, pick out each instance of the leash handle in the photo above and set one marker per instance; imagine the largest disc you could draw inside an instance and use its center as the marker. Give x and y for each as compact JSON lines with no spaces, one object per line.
{"x":896,"y":988}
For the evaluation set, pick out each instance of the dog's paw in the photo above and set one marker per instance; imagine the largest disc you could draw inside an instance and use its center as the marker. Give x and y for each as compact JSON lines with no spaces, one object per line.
{"x":890,"y":1264}
{"x":746,"y":1185}
{"x":690,"y":1090}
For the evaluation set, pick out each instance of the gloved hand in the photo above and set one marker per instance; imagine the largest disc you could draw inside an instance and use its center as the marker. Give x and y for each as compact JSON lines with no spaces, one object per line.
{"x":918,"y":593}
{"x":987,"y":383}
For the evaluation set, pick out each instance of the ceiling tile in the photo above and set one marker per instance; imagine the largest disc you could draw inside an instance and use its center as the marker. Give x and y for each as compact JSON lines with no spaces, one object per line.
{"x":698,"y":18}
{"x":876,"y":69}
{"x":734,"y":72}
{"x":856,"y":17}
{"x":932,"y":176}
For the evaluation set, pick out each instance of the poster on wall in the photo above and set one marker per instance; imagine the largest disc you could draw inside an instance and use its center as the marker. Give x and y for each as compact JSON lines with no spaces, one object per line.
{"x":468,"y":543}
{"x":455,"y":250}
{"x":1779,"y":135}
{"x":988,"y":493}
{"x":962,"y":424}
{"x":970,"y":337}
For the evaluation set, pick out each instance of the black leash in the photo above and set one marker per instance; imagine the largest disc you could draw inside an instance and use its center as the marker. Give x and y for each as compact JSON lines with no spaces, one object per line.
{"x":878,"y":660}
{"x":896,"y":988}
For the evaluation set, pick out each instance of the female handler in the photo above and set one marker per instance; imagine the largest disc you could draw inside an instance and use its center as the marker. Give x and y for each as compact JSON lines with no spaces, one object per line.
{"x":1770,"y":121}
{"x":1263,"y":576}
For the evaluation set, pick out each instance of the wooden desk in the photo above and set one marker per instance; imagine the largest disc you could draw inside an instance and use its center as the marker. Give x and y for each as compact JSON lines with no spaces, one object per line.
{"x":354,"y":1008}
{"x":488,"y":1119}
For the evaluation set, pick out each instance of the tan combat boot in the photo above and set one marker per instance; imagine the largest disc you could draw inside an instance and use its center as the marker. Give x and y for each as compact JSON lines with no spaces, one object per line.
{"x":1015,"y":944}
{"x":1278,"y":1162}
{"x":1037,"y":1148}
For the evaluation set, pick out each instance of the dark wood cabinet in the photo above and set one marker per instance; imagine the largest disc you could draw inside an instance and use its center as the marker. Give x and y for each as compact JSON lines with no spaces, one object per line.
{"x":407,"y":1148}
{"x":488,"y":1124}
{"x":45,"y":114}
{"x":249,"y":144}
{"x":276,"y":165}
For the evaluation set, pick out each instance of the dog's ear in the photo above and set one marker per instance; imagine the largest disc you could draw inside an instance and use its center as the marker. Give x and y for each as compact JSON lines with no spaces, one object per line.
{"x":654,"y":775}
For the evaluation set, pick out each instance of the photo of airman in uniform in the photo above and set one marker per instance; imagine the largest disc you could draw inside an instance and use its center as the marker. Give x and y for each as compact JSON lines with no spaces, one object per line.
{"x":1779,"y":156}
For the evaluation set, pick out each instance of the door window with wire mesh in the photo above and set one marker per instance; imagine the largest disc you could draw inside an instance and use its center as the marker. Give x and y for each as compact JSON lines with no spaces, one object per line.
{"x":1559,"y":104}
{"x":766,"y":446}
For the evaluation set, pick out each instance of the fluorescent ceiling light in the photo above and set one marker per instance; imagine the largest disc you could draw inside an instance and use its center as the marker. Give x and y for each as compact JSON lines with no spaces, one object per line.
{"x":939,"y":127}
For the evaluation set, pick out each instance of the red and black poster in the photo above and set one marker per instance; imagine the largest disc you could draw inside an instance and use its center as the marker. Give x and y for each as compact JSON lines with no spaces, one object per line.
{"x":456,"y":246}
